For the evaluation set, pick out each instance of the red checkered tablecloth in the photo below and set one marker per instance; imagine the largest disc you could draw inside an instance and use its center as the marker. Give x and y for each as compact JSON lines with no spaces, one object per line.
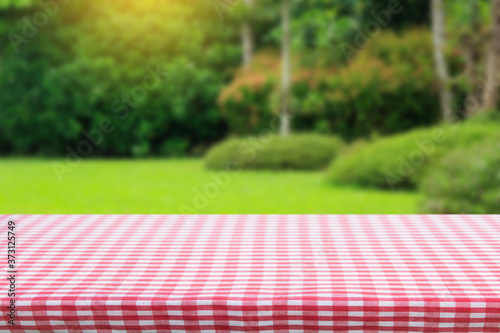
{"x":152,"y":273}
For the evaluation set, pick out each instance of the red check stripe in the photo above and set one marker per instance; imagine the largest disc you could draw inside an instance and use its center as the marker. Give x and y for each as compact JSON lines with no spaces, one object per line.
{"x":112,"y":273}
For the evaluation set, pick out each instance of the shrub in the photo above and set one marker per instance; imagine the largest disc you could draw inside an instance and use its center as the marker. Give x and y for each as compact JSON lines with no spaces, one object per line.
{"x":488,"y":117}
{"x":300,"y":151}
{"x":160,"y":103}
{"x":387,"y":87}
{"x":466,"y":181}
{"x":247,"y":103}
{"x":400,"y":161}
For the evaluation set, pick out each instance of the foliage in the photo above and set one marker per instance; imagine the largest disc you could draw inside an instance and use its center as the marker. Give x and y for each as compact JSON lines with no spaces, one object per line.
{"x":73,"y":74}
{"x":387,"y":88}
{"x":485,"y":117}
{"x":300,"y":151}
{"x":6,"y":4}
{"x":246,"y":102}
{"x":65,"y":80}
{"x":460,"y":12}
{"x":322,"y":25}
{"x":414,"y":13}
{"x":466,"y":181}
{"x":400,"y":161}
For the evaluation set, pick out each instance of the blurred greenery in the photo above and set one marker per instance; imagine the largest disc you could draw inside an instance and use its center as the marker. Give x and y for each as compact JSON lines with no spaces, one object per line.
{"x":400,"y":161}
{"x":151,"y":67}
{"x":466,"y":180}
{"x":166,"y":186}
{"x":296,"y":152}
{"x":87,"y":79}
{"x":88,"y":61}
{"x":387,"y":88}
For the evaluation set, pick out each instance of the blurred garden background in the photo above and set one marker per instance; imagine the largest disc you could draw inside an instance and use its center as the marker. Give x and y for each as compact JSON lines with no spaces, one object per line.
{"x":249,"y":106}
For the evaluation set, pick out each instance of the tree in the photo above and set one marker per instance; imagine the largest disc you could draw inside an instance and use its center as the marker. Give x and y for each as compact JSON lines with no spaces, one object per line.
{"x":471,"y":40}
{"x":472,"y":43}
{"x":247,"y":37}
{"x":490,"y":93}
{"x":439,"y":39}
{"x":285,"y":76}
{"x":55,"y":90}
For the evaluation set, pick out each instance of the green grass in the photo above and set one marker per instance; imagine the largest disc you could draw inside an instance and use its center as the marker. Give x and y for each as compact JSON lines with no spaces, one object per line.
{"x":163,"y":186}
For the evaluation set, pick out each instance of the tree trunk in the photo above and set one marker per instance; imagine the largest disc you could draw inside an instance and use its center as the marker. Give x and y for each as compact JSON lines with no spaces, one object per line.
{"x":438,"y":32}
{"x":472,"y":42}
{"x":247,"y":38}
{"x":490,"y":97}
{"x":285,"y":77}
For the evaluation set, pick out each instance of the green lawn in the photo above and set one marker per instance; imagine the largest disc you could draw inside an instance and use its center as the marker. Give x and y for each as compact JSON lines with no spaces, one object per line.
{"x":164,"y":186}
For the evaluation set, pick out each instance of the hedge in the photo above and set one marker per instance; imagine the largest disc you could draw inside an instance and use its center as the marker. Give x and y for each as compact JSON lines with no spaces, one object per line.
{"x":466,"y":181}
{"x":299,"y":152}
{"x":399,"y":161}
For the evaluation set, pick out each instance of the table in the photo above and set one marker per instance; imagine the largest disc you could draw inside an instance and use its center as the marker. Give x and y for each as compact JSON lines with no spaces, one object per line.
{"x":152,"y":273}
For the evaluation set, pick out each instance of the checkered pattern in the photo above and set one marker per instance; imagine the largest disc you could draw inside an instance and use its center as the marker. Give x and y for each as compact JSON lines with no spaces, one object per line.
{"x":153,"y":273}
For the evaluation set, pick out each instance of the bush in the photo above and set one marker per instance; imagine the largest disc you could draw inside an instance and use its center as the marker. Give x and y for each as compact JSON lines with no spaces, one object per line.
{"x":416,"y":12}
{"x":400,"y":161}
{"x":488,"y":117}
{"x":160,"y":103}
{"x":301,"y":152}
{"x":388,"y":87}
{"x":466,"y":181}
